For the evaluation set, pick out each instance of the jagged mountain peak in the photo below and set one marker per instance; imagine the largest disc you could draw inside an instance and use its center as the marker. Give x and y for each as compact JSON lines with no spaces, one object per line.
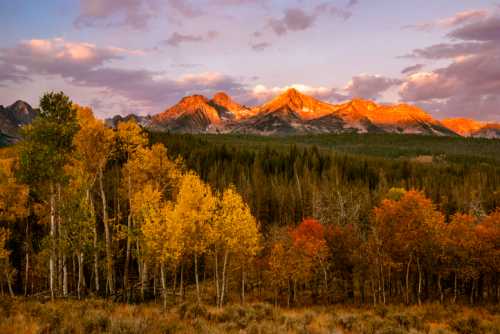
{"x":228,"y":108}
{"x":305,"y":106}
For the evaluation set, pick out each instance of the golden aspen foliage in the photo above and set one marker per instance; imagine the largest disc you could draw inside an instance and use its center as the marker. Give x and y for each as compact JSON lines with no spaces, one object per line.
{"x":13,"y":195}
{"x":235,"y":227}
{"x":162,"y":232}
{"x":130,"y":137}
{"x":194,"y":209}
{"x":93,"y":142}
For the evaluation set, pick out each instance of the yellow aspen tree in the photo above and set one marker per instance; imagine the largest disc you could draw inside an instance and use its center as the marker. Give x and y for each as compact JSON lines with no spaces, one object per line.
{"x":130,"y":139}
{"x":147,"y":166}
{"x":236,"y":234}
{"x":94,"y":143}
{"x":162,"y":233}
{"x":13,"y":206}
{"x":194,"y":209}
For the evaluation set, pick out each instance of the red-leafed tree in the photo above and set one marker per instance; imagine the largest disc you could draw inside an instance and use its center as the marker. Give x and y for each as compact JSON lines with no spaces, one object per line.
{"x":310,"y":252}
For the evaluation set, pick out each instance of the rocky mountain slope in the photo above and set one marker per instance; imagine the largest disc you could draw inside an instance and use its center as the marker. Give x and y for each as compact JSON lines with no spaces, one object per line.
{"x":12,"y":118}
{"x":294,"y":113}
{"x":470,"y":128}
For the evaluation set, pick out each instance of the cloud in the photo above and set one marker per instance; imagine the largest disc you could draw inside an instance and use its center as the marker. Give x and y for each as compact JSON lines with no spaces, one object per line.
{"x":185,"y":8}
{"x":297,"y":19}
{"x":260,"y":46}
{"x":452,"y":50}
{"x":12,"y":74}
{"x":452,"y":21}
{"x":132,"y":13}
{"x":483,"y":30}
{"x":86,"y":65}
{"x":177,"y":39}
{"x":412,"y":69}
{"x":334,"y":11}
{"x":370,"y":86}
{"x":352,"y":3}
{"x":470,"y":84}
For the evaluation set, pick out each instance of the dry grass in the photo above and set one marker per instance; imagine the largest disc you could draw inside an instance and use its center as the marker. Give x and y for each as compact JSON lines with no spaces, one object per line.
{"x":101,"y":316}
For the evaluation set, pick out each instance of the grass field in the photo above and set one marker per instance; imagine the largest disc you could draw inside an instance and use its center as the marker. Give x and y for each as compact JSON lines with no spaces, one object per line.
{"x":101,"y":316}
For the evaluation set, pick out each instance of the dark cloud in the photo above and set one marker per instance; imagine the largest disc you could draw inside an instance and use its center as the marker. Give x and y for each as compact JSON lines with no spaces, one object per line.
{"x":260,"y":46}
{"x":177,"y":38}
{"x":484,"y":30}
{"x":133,"y":13}
{"x":297,"y":19}
{"x":334,"y":11}
{"x":352,"y":3}
{"x":412,"y":69}
{"x":470,"y":85}
{"x":370,"y":86}
{"x":185,"y":8}
{"x":11,"y":73}
{"x":453,"y":50}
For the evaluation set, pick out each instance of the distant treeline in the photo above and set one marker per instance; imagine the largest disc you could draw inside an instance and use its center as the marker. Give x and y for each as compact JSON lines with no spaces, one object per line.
{"x":285,"y":179}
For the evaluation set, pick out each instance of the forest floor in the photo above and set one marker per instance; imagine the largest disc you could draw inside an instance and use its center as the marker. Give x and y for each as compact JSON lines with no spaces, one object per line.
{"x":20,"y":315}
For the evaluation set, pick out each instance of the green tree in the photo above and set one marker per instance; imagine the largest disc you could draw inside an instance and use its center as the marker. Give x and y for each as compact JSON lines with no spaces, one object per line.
{"x":44,"y":152}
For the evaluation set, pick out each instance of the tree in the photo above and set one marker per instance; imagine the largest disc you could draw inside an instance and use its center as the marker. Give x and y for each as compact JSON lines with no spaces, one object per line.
{"x":130,"y":139}
{"x":236,"y":233}
{"x":44,"y":152}
{"x":406,"y":228}
{"x":147,"y":166}
{"x":162,"y":233}
{"x":459,"y":244}
{"x":94,"y":143}
{"x":280,"y":263}
{"x":195,"y":210}
{"x":13,"y":207}
{"x":310,"y":252}
{"x":488,"y":234}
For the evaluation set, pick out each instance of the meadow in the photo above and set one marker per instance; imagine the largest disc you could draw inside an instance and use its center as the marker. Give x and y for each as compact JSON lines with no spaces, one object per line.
{"x":102,"y":316}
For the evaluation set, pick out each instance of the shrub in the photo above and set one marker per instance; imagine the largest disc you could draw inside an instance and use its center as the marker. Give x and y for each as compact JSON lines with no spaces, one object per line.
{"x":470,"y":325}
{"x":96,"y":322}
{"x":192,"y":311}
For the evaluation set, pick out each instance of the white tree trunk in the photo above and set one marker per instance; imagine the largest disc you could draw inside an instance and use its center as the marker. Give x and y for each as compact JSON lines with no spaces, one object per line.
{"x":107,"y":235}
{"x":52,"y":241}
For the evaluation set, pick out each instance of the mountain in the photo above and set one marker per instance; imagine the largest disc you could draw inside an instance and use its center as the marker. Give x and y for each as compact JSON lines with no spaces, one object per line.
{"x":193,"y":114}
{"x":489,"y":130}
{"x":228,"y":109}
{"x":144,"y":121}
{"x":470,"y":128}
{"x":12,"y":118}
{"x":293,"y":112}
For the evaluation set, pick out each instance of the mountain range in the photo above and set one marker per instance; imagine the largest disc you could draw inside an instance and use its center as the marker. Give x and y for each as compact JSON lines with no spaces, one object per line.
{"x":289,"y":113}
{"x":295,"y":113}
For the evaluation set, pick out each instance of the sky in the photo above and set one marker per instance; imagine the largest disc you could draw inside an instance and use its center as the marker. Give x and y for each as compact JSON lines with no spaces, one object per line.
{"x":142,"y":56}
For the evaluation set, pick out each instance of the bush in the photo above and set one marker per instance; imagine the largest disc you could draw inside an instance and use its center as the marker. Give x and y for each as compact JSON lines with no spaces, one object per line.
{"x":192,"y":311}
{"x":96,"y":322}
{"x":130,"y":326}
{"x":408,"y":321}
{"x":347,"y":322}
{"x":470,"y":325}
